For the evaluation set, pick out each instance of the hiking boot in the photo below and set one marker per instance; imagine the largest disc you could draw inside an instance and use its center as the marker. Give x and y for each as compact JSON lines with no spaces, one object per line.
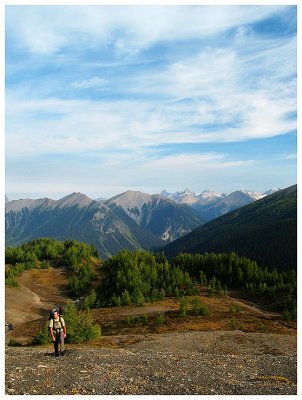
{"x":57,"y":354}
{"x":63,"y":353}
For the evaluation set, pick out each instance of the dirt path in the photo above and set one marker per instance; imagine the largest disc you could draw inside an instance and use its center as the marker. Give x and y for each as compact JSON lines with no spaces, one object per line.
{"x":38,"y":291}
{"x":228,"y":363}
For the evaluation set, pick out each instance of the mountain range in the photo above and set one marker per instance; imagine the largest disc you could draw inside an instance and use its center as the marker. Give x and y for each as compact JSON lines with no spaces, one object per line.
{"x":265,"y":231}
{"x":210,"y":204}
{"x":136,"y":220}
{"x":132,"y":220}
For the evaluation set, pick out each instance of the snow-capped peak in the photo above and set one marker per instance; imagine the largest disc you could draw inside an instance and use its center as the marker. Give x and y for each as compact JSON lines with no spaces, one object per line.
{"x":207,"y":194}
{"x":271,"y":191}
{"x":251,"y":193}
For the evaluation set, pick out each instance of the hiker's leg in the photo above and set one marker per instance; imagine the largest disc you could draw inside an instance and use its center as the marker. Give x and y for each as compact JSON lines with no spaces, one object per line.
{"x":56,"y":345}
{"x":62,"y":341}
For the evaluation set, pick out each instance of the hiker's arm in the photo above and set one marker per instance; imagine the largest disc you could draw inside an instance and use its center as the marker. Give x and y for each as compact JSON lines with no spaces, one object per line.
{"x":51,"y":333}
{"x":64,"y":328}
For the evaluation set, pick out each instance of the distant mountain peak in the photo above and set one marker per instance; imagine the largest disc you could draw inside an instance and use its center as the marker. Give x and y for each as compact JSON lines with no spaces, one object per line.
{"x":74,"y":199}
{"x":209,"y":193}
{"x":251,"y":193}
{"x":189,"y":191}
{"x":271,"y":191}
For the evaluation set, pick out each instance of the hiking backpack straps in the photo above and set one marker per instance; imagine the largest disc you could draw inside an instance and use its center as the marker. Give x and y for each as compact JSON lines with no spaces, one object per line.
{"x":57,"y":330}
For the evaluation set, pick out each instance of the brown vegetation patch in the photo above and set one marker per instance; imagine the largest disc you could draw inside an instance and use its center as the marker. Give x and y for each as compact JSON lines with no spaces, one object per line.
{"x":280,"y":379}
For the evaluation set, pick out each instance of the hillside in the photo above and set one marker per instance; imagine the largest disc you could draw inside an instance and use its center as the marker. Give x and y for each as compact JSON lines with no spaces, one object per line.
{"x":265,"y":231}
{"x":236,"y":349}
{"x":210,"y":341}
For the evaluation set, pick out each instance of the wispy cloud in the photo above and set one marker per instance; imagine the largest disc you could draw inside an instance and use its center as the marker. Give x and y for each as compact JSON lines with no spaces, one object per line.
{"x":287,"y":156}
{"x":120,"y":83}
{"x":92,"y":83}
{"x":133,"y":27}
{"x":193,"y":162}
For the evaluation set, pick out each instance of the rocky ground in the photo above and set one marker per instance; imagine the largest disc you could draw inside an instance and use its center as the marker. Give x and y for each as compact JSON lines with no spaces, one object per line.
{"x":217,"y":362}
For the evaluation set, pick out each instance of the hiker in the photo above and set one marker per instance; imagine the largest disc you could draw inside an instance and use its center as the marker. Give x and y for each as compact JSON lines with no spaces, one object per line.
{"x":57,"y":331}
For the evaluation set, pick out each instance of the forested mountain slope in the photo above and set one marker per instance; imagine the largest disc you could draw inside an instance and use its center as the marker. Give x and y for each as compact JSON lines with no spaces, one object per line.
{"x":265,"y":231}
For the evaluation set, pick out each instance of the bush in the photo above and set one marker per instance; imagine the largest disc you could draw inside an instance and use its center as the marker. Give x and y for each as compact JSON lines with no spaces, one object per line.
{"x":79,"y":324}
{"x":43,"y":336}
{"x":90,"y":300}
{"x":199,"y":308}
{"x":235,"y":309}
{"x":261,"y":327}
{"x":233,"y":323}
{"x":14,"y":342}
{"x":138,"y":298}
{"x":45,"y":264}
{"x":183,"y":307}
{"x":125,"y":298}
{"x":11,"y":281}
{"x":160,"y":319}
{"x":286,"y":315}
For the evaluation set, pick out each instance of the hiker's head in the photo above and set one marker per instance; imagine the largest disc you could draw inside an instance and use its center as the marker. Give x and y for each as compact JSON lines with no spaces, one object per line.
{"x":55,"y":314}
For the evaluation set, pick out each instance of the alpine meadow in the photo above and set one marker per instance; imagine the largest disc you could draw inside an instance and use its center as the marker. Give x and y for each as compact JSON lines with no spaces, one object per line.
{"x":151,"y":199}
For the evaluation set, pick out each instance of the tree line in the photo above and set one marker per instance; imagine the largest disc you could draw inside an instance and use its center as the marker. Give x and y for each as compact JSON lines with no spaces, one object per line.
{"x":142,"y":276}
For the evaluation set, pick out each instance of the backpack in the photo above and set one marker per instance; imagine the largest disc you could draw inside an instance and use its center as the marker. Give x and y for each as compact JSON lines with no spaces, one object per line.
{"x":60,"y":311}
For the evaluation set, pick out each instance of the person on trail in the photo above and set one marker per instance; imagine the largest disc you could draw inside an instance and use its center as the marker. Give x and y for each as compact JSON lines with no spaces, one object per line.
{"x":57,"y":331}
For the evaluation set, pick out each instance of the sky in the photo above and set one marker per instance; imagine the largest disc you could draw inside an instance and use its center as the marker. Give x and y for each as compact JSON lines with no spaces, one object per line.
{"x":105,"y":99}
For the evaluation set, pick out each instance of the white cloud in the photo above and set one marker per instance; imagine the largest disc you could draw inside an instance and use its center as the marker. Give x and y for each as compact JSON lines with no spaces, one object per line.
{"x":223,"y":87}
{"x":194,"y":162}
{"x":47,"y":29}
{"x":287,"y":156}
{"x":92,"y":83}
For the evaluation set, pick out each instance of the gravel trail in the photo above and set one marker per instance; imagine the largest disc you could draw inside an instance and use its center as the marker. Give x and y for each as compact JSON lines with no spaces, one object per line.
{"x":218,"y":362}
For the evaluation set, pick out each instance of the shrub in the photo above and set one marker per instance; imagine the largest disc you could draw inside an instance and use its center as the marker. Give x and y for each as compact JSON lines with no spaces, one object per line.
{"x":261,"y":327}
{"x":125,"y":298}
{"x":45,"y":264}
{"x":43,"y":336}
{"x":183,"y":307}
{"x":79,"y":324}
{"x":11,"y":281}
{"x":234,"y":309}
{"x":160,"y":319}
{"x":286,"y":314}
{"x":90,"y":300}
{"x":116,"y":301}
{"x":138,"y":298}
{"x":233,"y":323}
{"x":199,"y":308}
{"x":14,"y":342}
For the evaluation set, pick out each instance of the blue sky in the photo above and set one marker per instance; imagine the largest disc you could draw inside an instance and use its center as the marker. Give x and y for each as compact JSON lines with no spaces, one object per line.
{"x":102,"y":99}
